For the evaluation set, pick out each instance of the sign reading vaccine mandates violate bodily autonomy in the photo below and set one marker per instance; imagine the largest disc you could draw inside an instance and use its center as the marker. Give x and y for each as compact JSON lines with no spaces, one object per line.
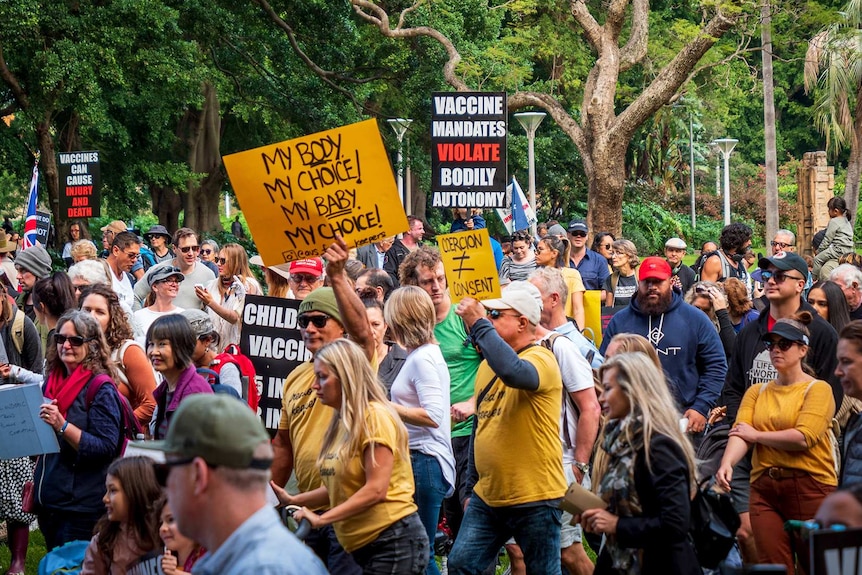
{"x":468,"y":149}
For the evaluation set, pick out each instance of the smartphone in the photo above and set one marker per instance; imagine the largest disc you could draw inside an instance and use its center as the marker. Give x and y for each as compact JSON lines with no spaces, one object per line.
{"x":200,"y":286}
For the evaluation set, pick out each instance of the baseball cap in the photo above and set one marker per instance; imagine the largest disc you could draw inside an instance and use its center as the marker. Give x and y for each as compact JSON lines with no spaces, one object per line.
{"x":654,"y":268}
{"x":312,"y":266}
{"x":219,"y":429}
{"x":578,"y":226}
{"x":785,"y":261}
{"x":163,"y":273}
{"x":322,"y":300}
{"x":676,"y":244}
{"x":115,"y":226}
{"x":521,"y":296}
{"x":556,"y":230}
{"x":786,"y":330}
{"x":200,"y":321}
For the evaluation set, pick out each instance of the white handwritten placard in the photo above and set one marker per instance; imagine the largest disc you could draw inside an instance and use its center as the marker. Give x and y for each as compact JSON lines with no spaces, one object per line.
{"x":22,"y":432}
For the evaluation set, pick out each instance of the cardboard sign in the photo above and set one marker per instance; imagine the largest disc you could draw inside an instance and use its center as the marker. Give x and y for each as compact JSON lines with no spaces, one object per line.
{"x":22,"y":431}
{"x":468,"y":149}
{"x":836,"y":552}
{"x":469,"y":263}
{"x":593,"y":317}
{"x":43,"y":227}
{"x":79,"y":185}
{"x":272,"y":341}
{"x":296,"y":195}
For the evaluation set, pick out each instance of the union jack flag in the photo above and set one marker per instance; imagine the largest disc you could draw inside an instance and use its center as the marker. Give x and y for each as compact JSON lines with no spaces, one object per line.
{"x":30,"y":222}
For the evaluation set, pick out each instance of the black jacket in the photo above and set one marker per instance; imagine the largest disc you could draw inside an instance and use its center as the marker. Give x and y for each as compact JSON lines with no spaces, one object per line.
{"x":750,"y":364}
{"x":851,"y":452}
{"x":662,"y":530}
{"x":392,"y":261}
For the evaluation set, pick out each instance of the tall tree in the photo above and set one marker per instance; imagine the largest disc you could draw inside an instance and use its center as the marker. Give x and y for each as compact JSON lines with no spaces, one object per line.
{"x":769,"y":121}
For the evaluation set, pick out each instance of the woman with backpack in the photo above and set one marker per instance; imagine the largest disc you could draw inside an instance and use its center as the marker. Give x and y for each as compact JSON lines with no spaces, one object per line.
{"x":787,"y":421}
{"x":69,"y":485}
{"x":622,"y":284}
{"x":644,"y":472}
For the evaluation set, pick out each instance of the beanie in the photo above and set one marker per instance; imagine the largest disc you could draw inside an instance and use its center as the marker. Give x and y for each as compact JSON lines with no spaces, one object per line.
{"x":35,"y":260}
{"x":322,"y":300}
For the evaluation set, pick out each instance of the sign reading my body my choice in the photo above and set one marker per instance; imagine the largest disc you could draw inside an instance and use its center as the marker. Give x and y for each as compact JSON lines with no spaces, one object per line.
{"x":296,"y":195}
{"x":468,"y":149}
{"x":79,"y":184}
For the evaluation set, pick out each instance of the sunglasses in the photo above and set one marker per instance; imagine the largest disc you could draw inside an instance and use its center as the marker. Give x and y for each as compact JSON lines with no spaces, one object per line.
{"x":206,"y":252}
{"x":74,"y":340}
{"x":162,"y":470}
{"x":577,"y":234}
{"x":779,"y":276}
{"x":304,"y":278}
{"x":782,"y":344}
{"x":495,"y":313}
{"x":318,"y":320}
{"x":607,"y":246}
{"x":132,"y":255}
{"x":220,"y":261}
{"x":171,"y":280}
{"x":187,"y":249}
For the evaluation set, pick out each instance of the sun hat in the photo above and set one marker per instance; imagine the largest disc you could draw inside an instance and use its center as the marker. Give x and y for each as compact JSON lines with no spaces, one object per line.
{"x":115,"y":226}
{"x":158,"y":230}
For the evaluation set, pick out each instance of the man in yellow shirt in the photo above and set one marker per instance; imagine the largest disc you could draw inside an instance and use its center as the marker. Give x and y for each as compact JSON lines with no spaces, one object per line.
{"x":517,"y":455}
{"x":325,"y":315}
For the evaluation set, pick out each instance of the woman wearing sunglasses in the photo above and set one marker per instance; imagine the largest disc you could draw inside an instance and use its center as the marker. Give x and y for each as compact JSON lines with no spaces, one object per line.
{"x":225,"y":296}
{"x":787,"y":421}
{"x":69,"y":485}
{"x":553,"y":252}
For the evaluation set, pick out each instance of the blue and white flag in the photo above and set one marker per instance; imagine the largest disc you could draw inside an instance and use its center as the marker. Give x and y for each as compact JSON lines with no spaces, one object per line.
{"x":521,"y":215}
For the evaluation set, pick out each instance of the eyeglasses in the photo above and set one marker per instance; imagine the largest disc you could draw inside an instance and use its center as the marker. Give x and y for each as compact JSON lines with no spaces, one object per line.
{"x":171,"y":280}
{"x":780,"y":245}
{"x":304,"y":278}
{"x":206,"y":252}
{"x":495,"y":313}
{"x":220,"y":261}
{"x":317,"y":320}
{"x":607,"y":246}
{"x":162,"y":470}
{"x":782,"y":344}
{"x":578,"y":234}
{"x":132,"y":255}
{"x":186,"y":249}
{"x":74,"y":340}
{"x":778,"y":276}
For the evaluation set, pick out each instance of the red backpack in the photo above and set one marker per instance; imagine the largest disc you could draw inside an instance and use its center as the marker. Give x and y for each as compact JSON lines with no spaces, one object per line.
{"x":232,"y":354}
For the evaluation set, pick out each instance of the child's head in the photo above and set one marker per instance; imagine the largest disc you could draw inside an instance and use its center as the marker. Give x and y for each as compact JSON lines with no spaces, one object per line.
{"x":168,"y":530}
{"x":130,"y":490}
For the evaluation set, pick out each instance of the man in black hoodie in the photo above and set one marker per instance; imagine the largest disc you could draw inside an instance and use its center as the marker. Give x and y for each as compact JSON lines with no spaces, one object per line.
{"x":784,"y":275}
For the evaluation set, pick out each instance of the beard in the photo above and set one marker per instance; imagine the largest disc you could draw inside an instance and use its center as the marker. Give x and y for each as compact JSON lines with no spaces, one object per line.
{"x":654,"y":308}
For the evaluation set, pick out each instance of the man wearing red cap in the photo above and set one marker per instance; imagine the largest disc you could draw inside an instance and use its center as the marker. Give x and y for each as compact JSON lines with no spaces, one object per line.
{"x":305,"y":277}
{"x":686,"y":341}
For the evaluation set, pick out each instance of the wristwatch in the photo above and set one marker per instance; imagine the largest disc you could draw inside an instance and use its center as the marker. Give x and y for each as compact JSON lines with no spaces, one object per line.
{"x":582,"y":467}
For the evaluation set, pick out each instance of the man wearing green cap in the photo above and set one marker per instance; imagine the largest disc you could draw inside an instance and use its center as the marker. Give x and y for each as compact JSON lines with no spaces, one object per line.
{"x":325,"y":315}
{"x":216,"y":473}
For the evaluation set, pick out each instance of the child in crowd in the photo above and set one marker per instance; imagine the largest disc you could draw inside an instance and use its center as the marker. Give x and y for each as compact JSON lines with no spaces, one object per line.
{"x":179,"y":549}
{"x":128,"y":534}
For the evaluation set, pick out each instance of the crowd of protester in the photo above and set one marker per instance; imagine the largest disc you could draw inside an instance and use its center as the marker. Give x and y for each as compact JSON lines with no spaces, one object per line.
{"x":418,"y":417}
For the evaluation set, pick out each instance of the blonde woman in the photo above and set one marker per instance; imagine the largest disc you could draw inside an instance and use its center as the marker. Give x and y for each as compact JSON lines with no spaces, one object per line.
{"x":646,"y":476}
{"x":225,"y":295}
{"x":622,"y":284}
{"x":630,"y":343}
{"x":365,"y":468}
{"x":553,"y":252}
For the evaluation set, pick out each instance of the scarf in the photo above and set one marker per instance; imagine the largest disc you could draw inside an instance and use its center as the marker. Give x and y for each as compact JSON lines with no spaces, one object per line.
{"x":617,"y":486}
{"x":65,"y":388}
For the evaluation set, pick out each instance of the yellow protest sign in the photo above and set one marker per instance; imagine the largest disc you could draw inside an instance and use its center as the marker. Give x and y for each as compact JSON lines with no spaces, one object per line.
{"x":593,"y":316}
{"x":469,"y":263}
{"x":296,"y":195}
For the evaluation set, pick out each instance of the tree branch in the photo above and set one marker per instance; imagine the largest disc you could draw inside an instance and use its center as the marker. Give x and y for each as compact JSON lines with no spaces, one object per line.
{"x":10,"y":80}
{"x":635,"y":49}
{"x":556,"y":110}
{"x":591,"y":28}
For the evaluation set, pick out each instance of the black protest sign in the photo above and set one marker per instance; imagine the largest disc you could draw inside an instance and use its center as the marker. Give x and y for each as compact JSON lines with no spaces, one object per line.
{"x":79,"y":184}
{"x":836,"y":552}
{"x":272,"y":341}
{"x":43,"y":227}
{"x":468,"y":149}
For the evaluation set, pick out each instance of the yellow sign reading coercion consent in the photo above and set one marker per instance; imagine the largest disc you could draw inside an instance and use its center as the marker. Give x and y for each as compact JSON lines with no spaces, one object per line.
{"x":469,"y":263}
{"x":296,"y":195}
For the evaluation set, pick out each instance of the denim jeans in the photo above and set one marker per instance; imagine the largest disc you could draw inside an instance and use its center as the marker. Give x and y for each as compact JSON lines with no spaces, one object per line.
{"x":400,"y":549}
{"x":324,"y":544}
{"x":430,"y":490}
{"x":485,"y":529}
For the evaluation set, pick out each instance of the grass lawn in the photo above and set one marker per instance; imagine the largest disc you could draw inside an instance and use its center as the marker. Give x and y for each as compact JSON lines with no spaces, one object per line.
{"x":35,"y":553}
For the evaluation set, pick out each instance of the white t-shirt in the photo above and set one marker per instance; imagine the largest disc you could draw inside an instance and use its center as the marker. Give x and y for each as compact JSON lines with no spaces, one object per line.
{"x":145,"y":317}
{"x":577,"y":376}
{"x":424,"y":382}
{"x":123,"y":287}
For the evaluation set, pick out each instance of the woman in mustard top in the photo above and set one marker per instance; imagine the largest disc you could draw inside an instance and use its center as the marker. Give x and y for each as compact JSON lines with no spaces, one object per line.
{"x":365,"y":468}
{"x":787,"y":421}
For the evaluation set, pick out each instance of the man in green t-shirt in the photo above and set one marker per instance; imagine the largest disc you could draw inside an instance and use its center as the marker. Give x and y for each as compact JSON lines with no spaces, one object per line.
{"x":424,"y":268}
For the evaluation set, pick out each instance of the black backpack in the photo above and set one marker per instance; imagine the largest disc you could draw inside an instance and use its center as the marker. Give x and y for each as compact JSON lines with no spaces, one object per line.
{"x":714,"y":523}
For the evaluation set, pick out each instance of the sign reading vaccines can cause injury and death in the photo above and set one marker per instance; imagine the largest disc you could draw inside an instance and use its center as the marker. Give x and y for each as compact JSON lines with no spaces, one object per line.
{"x":271,"y":339}
{"x":297,"y":195}
{"x":79,"y":175}
{"x":469,"y":263}
{"x":468,"y":149}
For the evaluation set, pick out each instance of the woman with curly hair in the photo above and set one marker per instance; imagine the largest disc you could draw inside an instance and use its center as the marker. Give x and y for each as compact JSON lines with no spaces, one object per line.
{"x":128,"y":534}
{"x":135,"y":377}
{"x":225,"y":295}
{"x":553,"y":252}
{"x":739,"y":305}
{"x":69,"y":484}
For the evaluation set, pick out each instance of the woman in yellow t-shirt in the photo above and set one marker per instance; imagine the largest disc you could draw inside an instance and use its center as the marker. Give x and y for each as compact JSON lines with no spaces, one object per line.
{"x":365,"y":468}
{"x":787,"y":421}
{"x":553,"y":252}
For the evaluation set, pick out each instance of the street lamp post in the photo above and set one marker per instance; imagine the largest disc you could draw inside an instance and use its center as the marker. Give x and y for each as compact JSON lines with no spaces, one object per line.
{"x":399,"y":126}
{"x":530,"y":122}
{"x":725,"y":146}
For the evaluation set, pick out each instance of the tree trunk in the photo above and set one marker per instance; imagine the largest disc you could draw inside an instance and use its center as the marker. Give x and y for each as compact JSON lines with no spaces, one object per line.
{"x":854,"y":162}
{"x":204,"y":139}
{"x":606,"y":176}
{"x":769,"y":122}
{"x":167,"y":204}
{"x":48,"y":166}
